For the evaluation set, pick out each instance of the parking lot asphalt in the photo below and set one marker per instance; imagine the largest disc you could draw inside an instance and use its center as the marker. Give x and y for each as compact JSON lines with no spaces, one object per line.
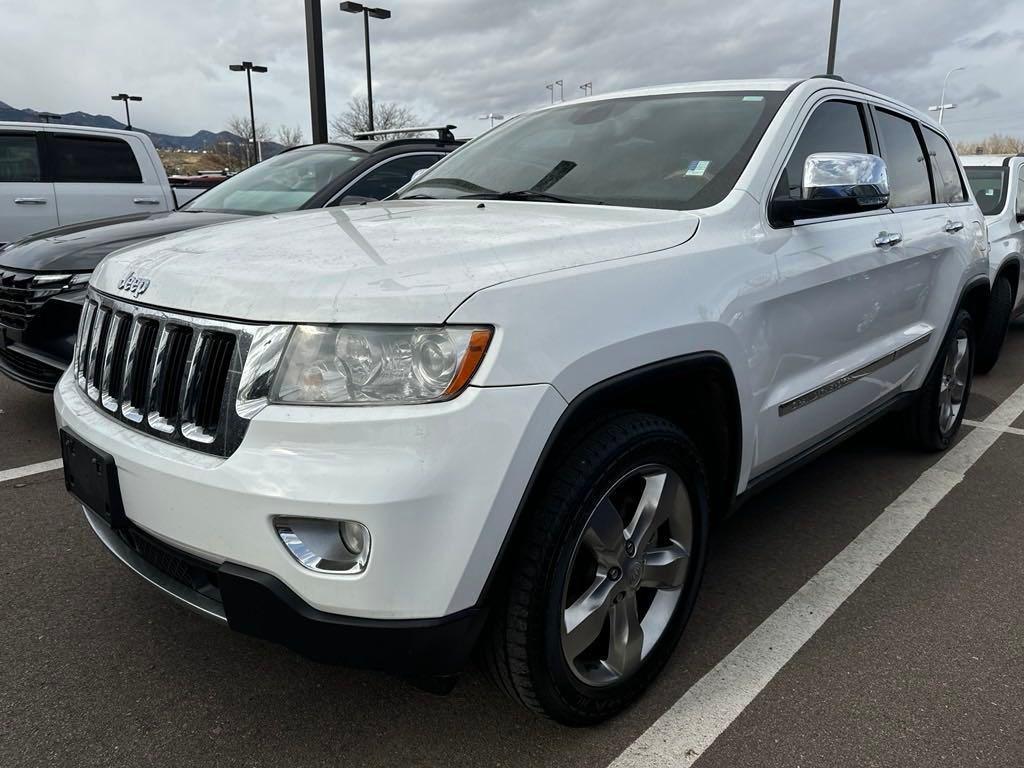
{"x":921,"y":666}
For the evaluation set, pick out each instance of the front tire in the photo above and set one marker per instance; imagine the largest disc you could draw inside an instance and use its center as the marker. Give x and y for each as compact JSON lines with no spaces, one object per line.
{"x":993,"y":330}
{"x":938,"y":409}
{"x":605,"y":574}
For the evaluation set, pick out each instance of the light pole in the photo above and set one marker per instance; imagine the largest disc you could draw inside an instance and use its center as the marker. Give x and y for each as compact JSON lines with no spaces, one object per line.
{"x":833,"y":38}
{"x":126,"y":98}
{"x":315,"y":64}
{"x":377,"y":13}
{"x":551,"y":87}
{"x":248,"y":67}
{"x":587,"y":88}
{"x":492,"y":117}
{"x":561,"y":91}
{"x":942,"y":106}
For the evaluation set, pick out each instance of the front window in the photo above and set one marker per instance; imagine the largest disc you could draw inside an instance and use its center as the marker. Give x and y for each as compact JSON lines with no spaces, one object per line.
{"x":681,"y":151}
{"x":285,"y":182}
{"x":989,"y":186}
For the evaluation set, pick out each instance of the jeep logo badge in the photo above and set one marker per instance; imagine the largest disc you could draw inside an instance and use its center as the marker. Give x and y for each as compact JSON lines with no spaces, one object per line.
{"x":133,"y":284}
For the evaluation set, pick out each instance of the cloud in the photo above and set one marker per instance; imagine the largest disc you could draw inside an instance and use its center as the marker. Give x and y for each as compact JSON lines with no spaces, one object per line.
{"x":454,"y":60}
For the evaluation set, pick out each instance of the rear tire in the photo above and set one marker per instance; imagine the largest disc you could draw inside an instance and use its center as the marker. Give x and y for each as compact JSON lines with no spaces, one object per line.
{"x":599,"y":593}
{"x":993,"y":331}
{"x":938,"y":409}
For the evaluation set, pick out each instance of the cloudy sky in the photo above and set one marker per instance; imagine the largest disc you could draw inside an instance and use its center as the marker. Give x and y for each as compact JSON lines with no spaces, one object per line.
{"x":454,"y":60}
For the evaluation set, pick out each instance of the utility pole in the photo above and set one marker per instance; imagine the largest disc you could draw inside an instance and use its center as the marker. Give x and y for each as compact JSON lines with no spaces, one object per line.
{"x":315,"y":59}
{"x":833,"y":38}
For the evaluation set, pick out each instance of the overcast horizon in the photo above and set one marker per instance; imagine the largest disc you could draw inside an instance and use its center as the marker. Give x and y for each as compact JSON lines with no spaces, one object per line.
{"x":454,"y":60}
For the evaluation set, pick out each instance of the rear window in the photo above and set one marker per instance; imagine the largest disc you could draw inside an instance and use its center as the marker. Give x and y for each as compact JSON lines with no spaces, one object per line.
{"x":989,"y":186}
{"x":85,"y":159}
{"x":909,"y":183}
{"x":949,"y":187}
{"x":19,"y":158}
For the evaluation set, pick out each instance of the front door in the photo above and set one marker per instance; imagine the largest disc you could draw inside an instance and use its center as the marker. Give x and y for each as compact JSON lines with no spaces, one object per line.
{"x":27,"y":203}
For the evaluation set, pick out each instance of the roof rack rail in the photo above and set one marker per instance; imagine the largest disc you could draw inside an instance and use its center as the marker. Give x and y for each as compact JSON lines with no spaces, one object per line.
{"x":829,"y":77}
{"x":444,"y":132}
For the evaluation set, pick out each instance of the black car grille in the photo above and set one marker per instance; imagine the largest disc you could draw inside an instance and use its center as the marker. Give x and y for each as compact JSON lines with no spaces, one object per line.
{"x":22,"y":294}
{"x":173,"y":376}
{"x":26,"y":368}
{"x":191,"y":572}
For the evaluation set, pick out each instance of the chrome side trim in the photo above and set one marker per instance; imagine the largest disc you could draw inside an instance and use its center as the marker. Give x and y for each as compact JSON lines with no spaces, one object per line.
{"x":835,"y":385}
{"x":191,"y":599}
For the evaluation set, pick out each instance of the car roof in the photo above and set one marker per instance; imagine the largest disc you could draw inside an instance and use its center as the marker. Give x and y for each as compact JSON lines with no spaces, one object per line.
{"x":987,"y":160}
{"x":18,"y":125}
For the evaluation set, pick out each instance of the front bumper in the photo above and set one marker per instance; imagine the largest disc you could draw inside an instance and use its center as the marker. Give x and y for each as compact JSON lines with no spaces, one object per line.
{"x":437,"y":486}
{"x":260,"y":605}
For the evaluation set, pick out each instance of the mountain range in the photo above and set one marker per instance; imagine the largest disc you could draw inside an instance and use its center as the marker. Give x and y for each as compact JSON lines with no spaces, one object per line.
{"x":197,"y":141}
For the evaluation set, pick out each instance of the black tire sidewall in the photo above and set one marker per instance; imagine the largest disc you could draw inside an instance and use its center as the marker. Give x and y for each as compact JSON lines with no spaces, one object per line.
{"x":928,"y":417}
{"x":992,"y":334}
{"x":563,"y":690}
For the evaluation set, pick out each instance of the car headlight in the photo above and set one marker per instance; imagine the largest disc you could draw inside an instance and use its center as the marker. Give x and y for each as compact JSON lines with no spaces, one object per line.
{"x":378,"y":365}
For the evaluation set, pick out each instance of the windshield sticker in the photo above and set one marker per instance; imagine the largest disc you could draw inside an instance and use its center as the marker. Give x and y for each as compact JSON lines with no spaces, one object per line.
{"x":698,"y":167}
{"x":753,"y":98}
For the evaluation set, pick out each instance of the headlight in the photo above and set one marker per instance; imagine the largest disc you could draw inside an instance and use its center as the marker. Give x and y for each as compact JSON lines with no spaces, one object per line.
{"x":374,"y":365}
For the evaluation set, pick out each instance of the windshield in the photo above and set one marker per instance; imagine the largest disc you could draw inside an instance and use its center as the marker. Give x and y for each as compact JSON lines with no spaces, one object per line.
{"x":285,"y":182}
{"x":989,"y":186}
{"x":680,"y":151}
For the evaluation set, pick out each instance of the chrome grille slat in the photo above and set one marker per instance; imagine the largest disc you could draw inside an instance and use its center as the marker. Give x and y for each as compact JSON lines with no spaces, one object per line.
{"x":174,"y":377}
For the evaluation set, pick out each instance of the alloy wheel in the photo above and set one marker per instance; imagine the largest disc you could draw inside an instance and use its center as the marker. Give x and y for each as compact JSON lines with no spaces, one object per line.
{"x":955,"y":370}
{"x":626,"y":575}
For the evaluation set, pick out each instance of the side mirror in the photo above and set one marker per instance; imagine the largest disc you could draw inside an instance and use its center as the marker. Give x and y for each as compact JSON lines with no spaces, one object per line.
{"x":417,"y":173}
{"x":835,"y":184}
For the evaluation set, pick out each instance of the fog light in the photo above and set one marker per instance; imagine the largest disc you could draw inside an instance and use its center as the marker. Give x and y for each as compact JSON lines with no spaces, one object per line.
{"x":327,"y":546}
{"x":355,"y":536}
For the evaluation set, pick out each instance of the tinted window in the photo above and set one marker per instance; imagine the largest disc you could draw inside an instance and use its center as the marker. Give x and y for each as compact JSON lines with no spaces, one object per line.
{"x":949,"y":187}
{"x":835,"y":126}
{"x":989,"y":186}
{"x":1020,"y":193}
{"x":93,"y":159}
{"x":389,"y":176}
{"x":284,"y":182}
{"x":904,"y":156}
{"x":680,"y":151}
{"x":19,"y":158}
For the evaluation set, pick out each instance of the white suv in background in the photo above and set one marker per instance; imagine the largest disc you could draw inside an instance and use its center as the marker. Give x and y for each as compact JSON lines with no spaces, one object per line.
{"x":502,"y":409}
{"x":998,"y":185}
{"x":56,"y":175}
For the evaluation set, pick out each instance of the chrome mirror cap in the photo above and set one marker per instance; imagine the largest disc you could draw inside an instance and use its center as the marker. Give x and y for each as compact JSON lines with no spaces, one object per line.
{"x":863,"y":178}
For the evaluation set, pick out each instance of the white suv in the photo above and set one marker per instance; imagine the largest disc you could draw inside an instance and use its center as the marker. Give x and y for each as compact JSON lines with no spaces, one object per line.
{"x":998,"y":185}
{"x":502,"y":410}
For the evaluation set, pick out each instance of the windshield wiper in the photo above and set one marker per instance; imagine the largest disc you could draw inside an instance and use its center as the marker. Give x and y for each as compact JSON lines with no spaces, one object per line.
{"x":523,"y":194}
{"x":418,"y":197}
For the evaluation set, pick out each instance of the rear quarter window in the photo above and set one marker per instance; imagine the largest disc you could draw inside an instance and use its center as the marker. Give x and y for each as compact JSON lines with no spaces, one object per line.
{"x":949,"y":187}
{"x":909,"y":183}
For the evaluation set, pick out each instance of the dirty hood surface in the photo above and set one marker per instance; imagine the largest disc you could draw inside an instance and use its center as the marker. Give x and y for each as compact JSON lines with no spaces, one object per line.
{"x":398,"y":262}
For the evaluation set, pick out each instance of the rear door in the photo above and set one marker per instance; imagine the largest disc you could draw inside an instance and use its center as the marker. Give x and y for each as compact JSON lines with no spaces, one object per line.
{"x":96,"y":177}
{"x":938,"y":223}
{"x":27,"y":202}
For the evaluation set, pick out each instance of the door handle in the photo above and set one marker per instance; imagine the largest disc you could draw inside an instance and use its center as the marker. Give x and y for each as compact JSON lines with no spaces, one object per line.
{"x":30,"y":201}
{"x":146,"y":201}
{"x":953,"y":226}
{"x":886,"y":239}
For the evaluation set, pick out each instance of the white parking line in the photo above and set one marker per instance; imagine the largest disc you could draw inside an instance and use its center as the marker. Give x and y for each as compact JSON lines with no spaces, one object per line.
{"x":31,"y":469}
{"x":1004,"y":430}
{"x":691,"y":725}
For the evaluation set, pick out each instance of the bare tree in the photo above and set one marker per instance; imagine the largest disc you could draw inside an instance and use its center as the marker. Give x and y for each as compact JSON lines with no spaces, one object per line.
{"x":289,"y":137}
{"x":996,"y":144}
{"x":386,"y":114}
{"x":242,"y":127}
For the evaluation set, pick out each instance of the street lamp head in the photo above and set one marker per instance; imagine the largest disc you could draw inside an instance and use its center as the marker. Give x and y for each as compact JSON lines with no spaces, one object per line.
{"x":379,"y":13}
{"x":135,"y":98}
{"x":352,"y":7}
{"x":236,"y":67}
{"x":259,"y":69}
{"x":119,"y":97}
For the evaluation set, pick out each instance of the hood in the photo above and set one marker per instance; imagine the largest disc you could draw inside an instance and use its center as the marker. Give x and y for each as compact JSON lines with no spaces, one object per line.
{"x":80,"y":247}
{"x":398,"y":262}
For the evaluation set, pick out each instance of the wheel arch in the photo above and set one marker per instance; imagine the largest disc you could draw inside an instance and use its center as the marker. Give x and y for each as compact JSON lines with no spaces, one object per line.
{"x":1011,"y":270}
{"x":666,"y":388}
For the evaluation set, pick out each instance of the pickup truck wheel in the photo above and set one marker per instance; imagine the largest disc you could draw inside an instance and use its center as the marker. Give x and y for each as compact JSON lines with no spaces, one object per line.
{"x":606,"y":574}
{"x":938,"y":409}
{"x":993,"y":330}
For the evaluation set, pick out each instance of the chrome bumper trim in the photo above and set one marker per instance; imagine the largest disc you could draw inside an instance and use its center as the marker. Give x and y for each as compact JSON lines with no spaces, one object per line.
{"x":191,"y":599}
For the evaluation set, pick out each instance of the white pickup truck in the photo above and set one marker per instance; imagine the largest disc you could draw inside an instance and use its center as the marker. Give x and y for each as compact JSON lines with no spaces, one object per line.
{"x":55,"y":175}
